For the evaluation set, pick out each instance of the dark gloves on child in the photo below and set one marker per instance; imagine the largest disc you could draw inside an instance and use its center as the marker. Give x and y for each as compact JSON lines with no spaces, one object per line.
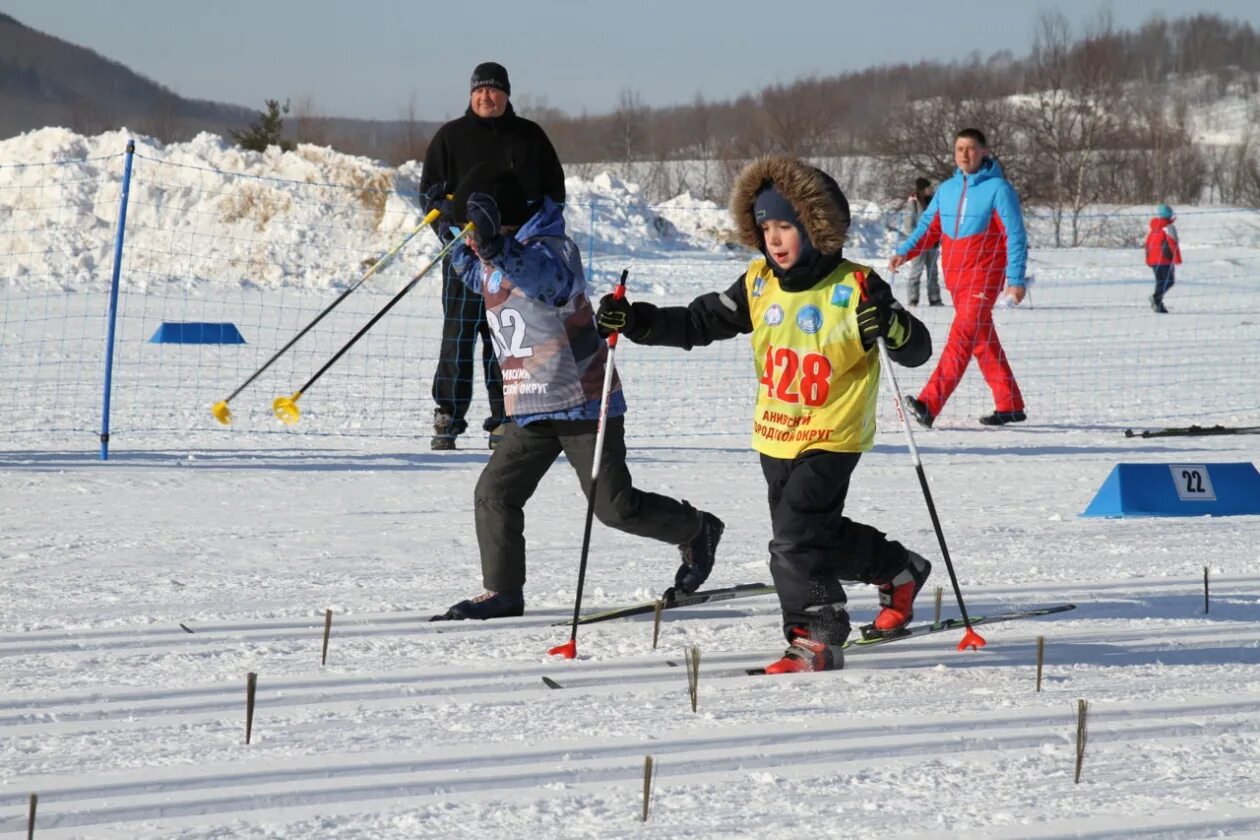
{"x":614,"y":315}
{"x":882,"y":320}
{"x":483,"y":212}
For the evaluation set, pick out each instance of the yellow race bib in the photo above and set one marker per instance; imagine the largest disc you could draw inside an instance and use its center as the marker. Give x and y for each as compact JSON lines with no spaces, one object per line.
{"x":818,"y":385}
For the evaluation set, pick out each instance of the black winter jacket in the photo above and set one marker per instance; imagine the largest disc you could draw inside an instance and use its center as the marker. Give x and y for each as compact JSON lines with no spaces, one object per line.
{"x":519,"y":144}
{"x":719,"y":315}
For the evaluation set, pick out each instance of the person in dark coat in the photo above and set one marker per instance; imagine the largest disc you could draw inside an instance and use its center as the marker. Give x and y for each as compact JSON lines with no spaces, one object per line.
{"x":926,"y":261}
{"x":489,"y":132}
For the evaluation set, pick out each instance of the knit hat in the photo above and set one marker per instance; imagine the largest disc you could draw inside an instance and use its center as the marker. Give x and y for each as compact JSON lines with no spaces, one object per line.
{"x":498,"y":182}
{"x":922,"y":183}
{"x":772,"y":205}
{"x":491,"y":74}
{"x":1163,"y":211}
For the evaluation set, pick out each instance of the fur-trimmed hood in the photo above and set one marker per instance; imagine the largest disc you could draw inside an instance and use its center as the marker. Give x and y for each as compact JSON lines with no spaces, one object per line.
{"x":816,"y":197}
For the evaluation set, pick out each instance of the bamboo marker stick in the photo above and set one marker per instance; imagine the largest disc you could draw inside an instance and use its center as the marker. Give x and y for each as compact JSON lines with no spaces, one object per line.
{"x":1041,"y":658}
{"x":323,"y":658}
{"x":251,"y":685}
{"x":1082,"y":712}
{"x":692,"y":656}
{"x":656,"y":623}
{"x":647,"y":784}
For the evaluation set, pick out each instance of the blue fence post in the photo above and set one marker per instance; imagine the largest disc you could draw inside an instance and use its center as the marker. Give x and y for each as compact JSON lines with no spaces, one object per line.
{"x":113,"y":297}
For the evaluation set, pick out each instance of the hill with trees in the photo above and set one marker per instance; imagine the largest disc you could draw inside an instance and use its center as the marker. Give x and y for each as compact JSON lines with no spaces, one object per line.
{"x":1099,"y":115}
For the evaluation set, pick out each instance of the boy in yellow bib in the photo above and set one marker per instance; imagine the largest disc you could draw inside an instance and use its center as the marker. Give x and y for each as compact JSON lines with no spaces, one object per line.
{"x":814,"y":317}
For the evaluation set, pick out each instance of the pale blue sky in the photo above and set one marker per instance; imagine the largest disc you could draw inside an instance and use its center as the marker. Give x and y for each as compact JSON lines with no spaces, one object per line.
{"x":367,"y":58}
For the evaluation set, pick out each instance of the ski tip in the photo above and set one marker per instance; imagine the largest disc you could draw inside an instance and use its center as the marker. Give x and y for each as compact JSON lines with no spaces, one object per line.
{"x":550,"y":683}
{"x":185,"y":628}
{"x":755,"y":672}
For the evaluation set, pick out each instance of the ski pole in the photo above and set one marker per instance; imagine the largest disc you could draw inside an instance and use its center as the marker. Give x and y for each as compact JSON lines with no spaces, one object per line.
{"x":569,"y":649}
{"x":286,"y":408}
{"x":971,"y":639}
{"x":220,"y":409}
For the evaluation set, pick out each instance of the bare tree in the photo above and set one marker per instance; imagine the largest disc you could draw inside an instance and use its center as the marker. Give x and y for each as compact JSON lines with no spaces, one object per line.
{"x":412,"y":140}
{"x":163,"y":121}
{"x":87,"y":118}
{"x":1072,"y":120}
{"x":795,"y":118}
{"x":628,"y":130}
{"x":918,"y":139}
{"x":308,"y":125}
{"x":699,"y":132}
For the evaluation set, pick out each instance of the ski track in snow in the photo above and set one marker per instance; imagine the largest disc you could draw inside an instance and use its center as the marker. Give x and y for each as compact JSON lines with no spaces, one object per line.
{"x":718,"y":754}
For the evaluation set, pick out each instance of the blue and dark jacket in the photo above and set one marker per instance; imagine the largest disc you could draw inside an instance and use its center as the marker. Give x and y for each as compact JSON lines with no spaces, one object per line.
{"x":978,"y":223}
{"x":540,"y":268}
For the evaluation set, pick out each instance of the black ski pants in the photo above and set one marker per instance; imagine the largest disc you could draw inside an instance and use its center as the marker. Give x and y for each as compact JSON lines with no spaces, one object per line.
{"x":520,"y":461}
{"x":463,"y":321}
{"x":815,"y":546}
{"x":1164,"y":280}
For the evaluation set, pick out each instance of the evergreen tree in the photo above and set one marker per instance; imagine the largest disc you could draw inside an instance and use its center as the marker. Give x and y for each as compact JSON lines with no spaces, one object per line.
{"x":266,"y":130}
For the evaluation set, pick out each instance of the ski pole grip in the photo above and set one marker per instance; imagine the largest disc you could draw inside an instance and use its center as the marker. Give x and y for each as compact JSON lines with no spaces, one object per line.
{"x":619,"y":293}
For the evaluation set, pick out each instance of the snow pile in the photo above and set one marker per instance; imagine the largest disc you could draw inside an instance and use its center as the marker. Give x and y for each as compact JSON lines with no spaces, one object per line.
{"x":208,"y":214}
{"x":704,"y":221}
{"x":618,"y":218}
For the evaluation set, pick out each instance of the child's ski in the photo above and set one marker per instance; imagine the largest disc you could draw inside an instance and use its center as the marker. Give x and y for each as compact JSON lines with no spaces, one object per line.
{"x":704,"y":596}
{"x":857,"y":643}
{"x":948,"y":624}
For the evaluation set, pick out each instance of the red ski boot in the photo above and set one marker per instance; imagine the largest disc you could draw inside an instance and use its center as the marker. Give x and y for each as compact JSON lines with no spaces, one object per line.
{"x":805,"y":654}
{"x":897,"y":597}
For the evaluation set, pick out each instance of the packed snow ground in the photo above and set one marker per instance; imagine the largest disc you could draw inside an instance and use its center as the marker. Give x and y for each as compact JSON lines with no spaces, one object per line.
{"x":127,"y":726}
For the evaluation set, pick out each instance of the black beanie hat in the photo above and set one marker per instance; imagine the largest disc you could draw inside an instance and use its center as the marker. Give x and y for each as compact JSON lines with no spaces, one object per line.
{"x":772,"y":205}
{"x":496,"y":181}
{"x":491,"y":74}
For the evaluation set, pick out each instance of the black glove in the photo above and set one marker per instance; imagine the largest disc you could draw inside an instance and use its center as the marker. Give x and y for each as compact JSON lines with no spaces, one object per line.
{"x":614,"y":315}
{"x":882,"y":320}
{"x":483,"y":212}
{"x":436,"y":197}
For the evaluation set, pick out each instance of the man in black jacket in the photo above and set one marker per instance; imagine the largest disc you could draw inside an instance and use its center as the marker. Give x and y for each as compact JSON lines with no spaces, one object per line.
{"x":488,"y":132}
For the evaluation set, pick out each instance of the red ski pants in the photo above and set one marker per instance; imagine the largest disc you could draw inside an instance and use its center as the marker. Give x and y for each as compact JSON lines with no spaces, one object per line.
{"x":972,"y":333}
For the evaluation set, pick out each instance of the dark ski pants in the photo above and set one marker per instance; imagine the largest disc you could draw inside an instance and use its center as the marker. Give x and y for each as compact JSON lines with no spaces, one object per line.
{"x":463,"y":321}
{"x":523,"y":458}
{"x":815,"y":547}
{"x":1163,"y":280}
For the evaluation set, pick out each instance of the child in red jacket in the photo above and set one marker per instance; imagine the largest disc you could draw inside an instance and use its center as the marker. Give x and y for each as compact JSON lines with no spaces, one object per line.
{"x":1162,"y":253}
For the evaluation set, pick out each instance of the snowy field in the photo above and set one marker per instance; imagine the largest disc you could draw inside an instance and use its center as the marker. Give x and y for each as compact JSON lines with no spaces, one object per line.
{"x":127,"y":726}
